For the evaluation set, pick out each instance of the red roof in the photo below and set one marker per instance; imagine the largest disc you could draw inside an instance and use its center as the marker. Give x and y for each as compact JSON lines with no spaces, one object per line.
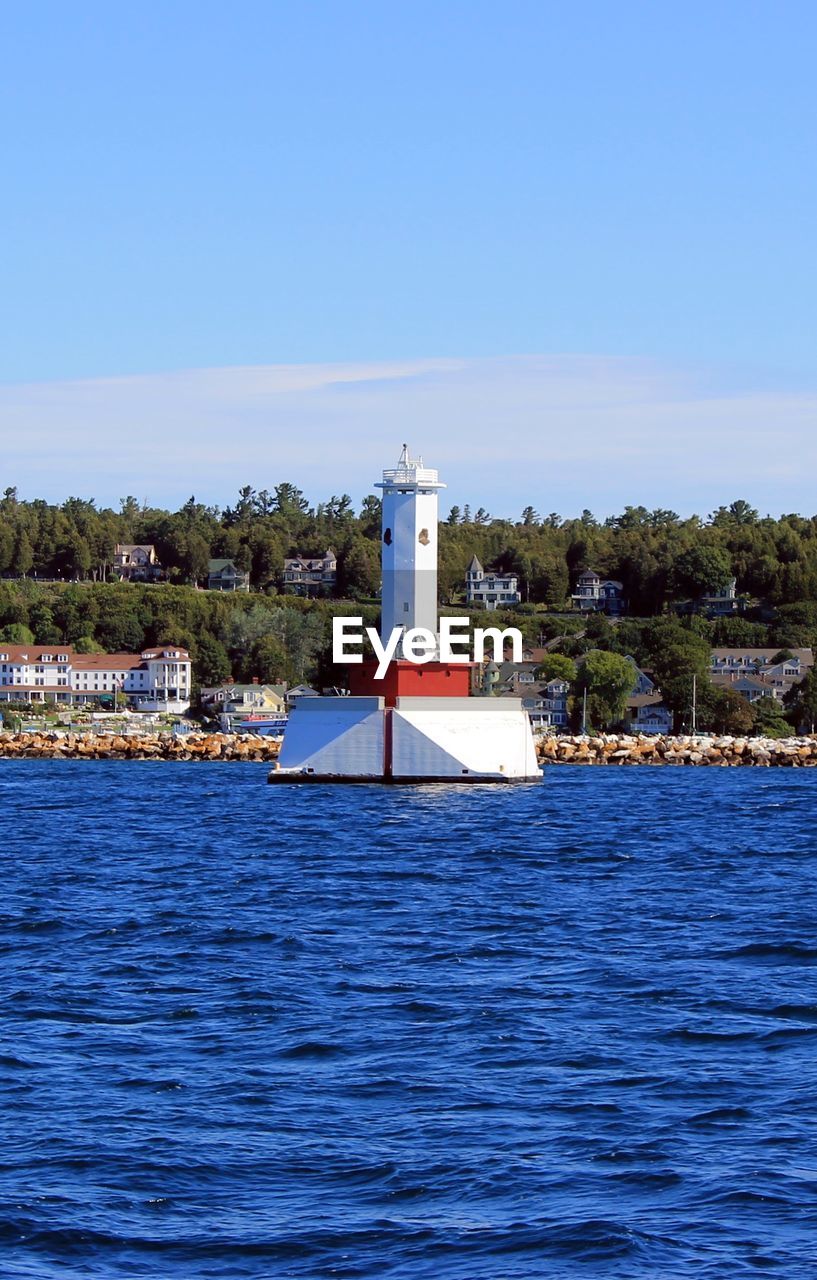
{"x":34,"y":652}
{"x":105,"y":661}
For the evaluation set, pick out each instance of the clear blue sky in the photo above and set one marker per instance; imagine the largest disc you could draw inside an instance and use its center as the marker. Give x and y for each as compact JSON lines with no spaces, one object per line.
{"x":199,"y":185}
{"x":195,"y":184}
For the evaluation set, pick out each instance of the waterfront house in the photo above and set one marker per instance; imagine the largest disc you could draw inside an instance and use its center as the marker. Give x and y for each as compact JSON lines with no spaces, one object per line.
{"x":488,"y":590}
{"x":646,"y":713}
{"x":35,"y":673}
{"x":554,"y":695}
{"x":224,"y":575}
{"x":245,"y":699}
{"x":750,"y":687}
{"x":300,"y":691}
{"x":157,"y":679}
{"x":642,"y":682}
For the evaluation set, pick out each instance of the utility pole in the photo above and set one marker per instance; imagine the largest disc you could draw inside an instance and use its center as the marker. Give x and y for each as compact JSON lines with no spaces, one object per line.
{"x":694,"y":704}
{"x":584,"y":713}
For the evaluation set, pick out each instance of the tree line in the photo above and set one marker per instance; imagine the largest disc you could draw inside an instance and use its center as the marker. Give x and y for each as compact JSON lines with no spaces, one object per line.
{"x":659,"y":557}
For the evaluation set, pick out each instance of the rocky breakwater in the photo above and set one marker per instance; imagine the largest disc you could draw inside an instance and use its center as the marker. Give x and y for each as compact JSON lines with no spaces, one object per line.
{"x":656,"y":750}
{"x":141,"y":746}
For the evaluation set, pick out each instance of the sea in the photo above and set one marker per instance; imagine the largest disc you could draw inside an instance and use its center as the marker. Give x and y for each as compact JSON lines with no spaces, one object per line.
{"x":565,"y":1029}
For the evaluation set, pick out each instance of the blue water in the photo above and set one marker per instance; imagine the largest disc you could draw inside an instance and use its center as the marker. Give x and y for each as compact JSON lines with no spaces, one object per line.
{"x":461,"y":1033}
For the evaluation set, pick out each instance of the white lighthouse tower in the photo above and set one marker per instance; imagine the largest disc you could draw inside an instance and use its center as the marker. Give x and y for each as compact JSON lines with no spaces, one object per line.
{"x":409,"y":552}
{"x":417,"y":722}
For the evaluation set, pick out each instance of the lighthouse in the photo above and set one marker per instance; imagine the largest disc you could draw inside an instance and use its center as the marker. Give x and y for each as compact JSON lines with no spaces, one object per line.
{"x":409,"y":549}
{"x":415,"y":720}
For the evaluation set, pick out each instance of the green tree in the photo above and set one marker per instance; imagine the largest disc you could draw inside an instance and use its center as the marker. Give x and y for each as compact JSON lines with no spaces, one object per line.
{"x":74,"y":557}
{"x":22,"y":561}
{"x":801,"y":702}
{"x":190,"y":554}
{"x":701,"y":570}
{"x":608,"y":679}
{"x":359,"y":570}
{"x":556,"y":666}
{"x":737,"y":513}
{"x":268,"y":661}
{"x":769,"y":719}
{"x":727,"y":712}
{"x":737,"y":632}
{"x":87,"y":644}
{"x":16,"y":633}
{"x":288,"y":500}
{"x":211,"y":662}
{"x":675,"y":655}
{"x":118,"y":628}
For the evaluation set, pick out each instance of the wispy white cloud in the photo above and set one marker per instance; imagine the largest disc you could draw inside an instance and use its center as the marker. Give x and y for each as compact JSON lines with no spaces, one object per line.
{"x":560,"y":432}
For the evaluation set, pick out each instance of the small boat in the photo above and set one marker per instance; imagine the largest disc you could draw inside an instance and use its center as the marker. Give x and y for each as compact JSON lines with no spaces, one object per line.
{"x":267,"y":726}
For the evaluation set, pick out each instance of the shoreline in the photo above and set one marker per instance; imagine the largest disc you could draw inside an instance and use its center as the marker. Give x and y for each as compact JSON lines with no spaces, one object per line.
{"x":53,"y":745}
{"x":721,"y":751}
{"x":713,"y":750}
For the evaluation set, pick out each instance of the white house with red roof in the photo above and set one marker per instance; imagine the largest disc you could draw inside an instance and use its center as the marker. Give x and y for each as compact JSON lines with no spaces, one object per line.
{"x":157,"y":679}
{"x":35,"y":672}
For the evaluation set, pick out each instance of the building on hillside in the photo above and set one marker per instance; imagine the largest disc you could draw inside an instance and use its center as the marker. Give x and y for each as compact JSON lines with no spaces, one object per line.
{"x":245,"y":699}
{"x":786,"y":673}
{"x":717,"y":604}
{"x":224,"y":575}
{"x":157,"y":679}
{"x":515,"y":679}
{"x":530,"y":653}
{"x":595,"y":594}
{"x":136,"y":562}
{"x":723,"y":603}
{"x":490,"y":590}
{"x":311,"y":577}
{"x":762,"y":661}
{"x":754,"y":673}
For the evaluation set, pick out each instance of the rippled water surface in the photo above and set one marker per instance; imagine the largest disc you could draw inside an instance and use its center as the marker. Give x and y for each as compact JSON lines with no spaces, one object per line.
{"x":461,"y":1033}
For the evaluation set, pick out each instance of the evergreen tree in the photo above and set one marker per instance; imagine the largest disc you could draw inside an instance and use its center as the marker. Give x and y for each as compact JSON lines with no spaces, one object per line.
{"x":22,"y":560}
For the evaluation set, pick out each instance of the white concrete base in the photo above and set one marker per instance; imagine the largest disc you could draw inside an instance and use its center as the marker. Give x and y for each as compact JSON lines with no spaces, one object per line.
{"x":334,"y":737}
{"x":487,"y":739}
{"x":419,"y":740}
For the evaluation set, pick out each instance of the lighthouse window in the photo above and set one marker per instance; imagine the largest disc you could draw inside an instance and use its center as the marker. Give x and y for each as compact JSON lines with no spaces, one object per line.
{"x":387,"y":537}
{"x":405,"y":606}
